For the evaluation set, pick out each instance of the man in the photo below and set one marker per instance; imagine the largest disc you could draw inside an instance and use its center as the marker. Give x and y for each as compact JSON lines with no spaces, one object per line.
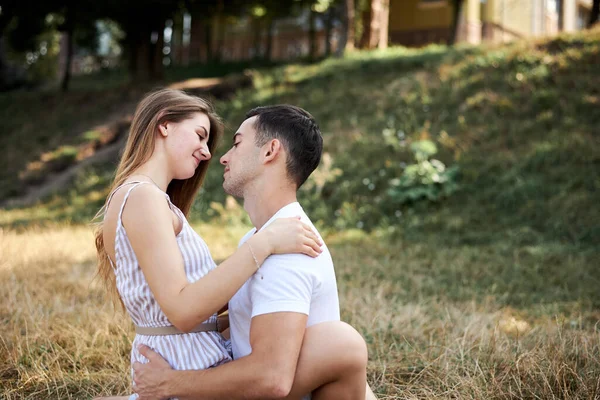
{"x":274,"y":151}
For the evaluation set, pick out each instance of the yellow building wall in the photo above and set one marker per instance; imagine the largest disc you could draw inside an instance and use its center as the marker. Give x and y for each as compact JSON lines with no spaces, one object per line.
{"x":410,"y":15}
{"x":516,"y":15}
{"x":506,"y":19}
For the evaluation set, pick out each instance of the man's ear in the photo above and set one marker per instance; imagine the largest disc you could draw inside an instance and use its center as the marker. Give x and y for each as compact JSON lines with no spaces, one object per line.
{"x":272,"y":150}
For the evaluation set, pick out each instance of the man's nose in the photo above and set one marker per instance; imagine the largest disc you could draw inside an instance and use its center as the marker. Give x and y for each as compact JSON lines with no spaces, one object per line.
{"x":223,"y":159}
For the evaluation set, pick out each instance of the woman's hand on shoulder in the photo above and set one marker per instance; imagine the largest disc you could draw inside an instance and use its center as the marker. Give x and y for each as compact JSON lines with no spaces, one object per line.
{"x":290,"y":235}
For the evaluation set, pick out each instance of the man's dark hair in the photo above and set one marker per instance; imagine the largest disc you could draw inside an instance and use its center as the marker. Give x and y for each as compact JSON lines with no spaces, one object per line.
{"x":298,"y":132}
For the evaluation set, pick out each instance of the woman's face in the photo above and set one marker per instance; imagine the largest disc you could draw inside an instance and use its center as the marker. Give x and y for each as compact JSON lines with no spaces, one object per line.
{"x":187,"y":144}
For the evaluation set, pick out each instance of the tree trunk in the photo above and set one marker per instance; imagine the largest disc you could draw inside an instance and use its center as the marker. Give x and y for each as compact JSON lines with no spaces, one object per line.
{"x":155,"y":56}
{"x":5,"y":79}
{"x":561,"y":18}
{"x":384,"y":23}
{"x":328,"y":30}
{"x":343,"y":42}
{"x":138,"y":45}
{"x":218,"y":52}
{"x":371,"y":25}
{"x":256,"y":28}
{"x":6,"y":15}
{"x":456,"y":6}
{"x":220,"y":31}
{"x":595,"y":14}
{"x":67,"y":74}
{"x":366,"y":16}
{"x":208,"y":41}
{"x":350,"y":20}
{"x":312,"y":35}
{"x":69,"y":31}
{"x":270,"y":34}
{"x":142,"y":72}
{"x":376,"y":25}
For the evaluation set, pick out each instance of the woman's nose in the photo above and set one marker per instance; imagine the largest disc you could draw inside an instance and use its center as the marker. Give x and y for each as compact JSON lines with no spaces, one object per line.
{"x":205,"y":153}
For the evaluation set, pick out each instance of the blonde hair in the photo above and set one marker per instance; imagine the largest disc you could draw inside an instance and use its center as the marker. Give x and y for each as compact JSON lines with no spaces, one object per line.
{"x":157,"y":108}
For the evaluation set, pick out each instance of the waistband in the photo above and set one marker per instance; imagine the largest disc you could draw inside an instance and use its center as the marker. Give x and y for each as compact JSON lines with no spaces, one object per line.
{"x":171,"y":330}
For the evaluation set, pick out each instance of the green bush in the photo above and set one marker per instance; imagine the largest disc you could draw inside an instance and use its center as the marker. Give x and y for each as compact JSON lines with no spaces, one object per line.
{"x":427,"y":179}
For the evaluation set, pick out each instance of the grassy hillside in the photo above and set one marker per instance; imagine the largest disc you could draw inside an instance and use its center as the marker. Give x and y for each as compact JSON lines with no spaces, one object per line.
{"x":482,"y":285}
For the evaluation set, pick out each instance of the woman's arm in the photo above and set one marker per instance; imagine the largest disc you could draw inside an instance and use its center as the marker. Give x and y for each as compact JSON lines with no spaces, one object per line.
{"x":148,"y":221}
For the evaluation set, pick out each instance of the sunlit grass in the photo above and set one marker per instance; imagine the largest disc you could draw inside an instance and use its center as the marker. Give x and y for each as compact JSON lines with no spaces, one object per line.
{"x":427,"y":337}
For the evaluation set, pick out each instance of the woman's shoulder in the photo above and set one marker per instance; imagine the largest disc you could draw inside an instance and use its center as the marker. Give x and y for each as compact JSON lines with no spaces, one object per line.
{"x":136,"y":195}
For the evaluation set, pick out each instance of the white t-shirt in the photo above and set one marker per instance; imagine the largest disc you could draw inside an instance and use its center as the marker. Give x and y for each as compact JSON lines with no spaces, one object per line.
{"x":285,"y":283}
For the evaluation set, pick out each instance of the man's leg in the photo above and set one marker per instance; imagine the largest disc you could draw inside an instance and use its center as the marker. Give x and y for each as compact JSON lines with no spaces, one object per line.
{"x":332,"y":364}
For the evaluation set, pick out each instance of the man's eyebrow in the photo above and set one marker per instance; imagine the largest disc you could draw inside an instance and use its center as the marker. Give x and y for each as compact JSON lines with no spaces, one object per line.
{"x":235,"y":135}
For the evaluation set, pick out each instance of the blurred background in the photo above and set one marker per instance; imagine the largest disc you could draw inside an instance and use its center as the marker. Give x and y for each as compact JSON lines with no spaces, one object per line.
{"x":459,"y":190}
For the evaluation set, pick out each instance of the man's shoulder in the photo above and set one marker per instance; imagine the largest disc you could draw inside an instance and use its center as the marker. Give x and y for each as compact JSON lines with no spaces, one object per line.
{"x":247,"y":236}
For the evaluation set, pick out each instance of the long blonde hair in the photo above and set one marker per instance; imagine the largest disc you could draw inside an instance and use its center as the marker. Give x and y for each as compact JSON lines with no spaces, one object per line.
{"x":159,"y":107}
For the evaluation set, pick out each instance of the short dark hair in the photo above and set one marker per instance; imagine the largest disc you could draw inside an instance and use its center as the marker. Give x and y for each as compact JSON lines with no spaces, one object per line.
{"x":298,"y":133}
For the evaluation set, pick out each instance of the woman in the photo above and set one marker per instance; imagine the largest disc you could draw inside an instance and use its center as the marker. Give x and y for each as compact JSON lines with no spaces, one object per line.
{"x":163,"y":272}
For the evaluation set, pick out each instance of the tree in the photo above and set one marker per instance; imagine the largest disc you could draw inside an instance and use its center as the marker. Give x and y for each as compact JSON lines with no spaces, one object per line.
{"x":384,"y":24}
{"x":78,"y":25}
{"x":329,"y":16}
{"x":350,"y":20}
{"x":595,"y":14}
{"x":275,"y":9}
{"x":8,"y":73}
{"x":375,"y":23}
{"x":456,"y":7}
{"x":312,"y":34}
{"x":347,"y":41}
{"x":143,"y":23}
{"x":21,"y":24}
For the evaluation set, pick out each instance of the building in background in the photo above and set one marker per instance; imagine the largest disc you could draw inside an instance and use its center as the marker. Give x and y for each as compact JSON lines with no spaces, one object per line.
{"x":196,"y":41}
{"x":421,"y":22}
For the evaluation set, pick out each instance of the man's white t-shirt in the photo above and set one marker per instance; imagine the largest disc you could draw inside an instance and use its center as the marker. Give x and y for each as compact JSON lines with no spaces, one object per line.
{"x":285,"y":283}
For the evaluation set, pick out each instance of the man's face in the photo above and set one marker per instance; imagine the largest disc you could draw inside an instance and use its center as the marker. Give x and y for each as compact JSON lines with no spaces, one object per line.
{"x":242,"y":160}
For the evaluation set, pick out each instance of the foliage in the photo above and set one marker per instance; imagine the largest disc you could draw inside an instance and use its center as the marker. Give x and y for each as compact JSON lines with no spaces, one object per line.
{"x":426,"y":179}
{"x":497,"y":115}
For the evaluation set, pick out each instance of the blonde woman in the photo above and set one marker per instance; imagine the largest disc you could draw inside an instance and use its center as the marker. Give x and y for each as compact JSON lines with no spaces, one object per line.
{"x":150,"y":257}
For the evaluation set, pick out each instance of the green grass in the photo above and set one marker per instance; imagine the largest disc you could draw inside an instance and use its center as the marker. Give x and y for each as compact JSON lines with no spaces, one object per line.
{"x":490,"y":292}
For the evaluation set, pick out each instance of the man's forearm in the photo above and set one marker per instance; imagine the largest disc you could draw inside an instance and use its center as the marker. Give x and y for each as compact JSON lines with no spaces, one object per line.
{"x":243,"y":379}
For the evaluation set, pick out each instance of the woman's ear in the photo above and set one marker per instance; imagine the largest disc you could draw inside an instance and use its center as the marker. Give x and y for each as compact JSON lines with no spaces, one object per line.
{"x":162,"y":126}
{"x":163,"y":129}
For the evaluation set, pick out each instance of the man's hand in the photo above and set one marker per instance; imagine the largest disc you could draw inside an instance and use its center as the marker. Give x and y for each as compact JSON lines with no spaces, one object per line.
{"x":150,"y":379}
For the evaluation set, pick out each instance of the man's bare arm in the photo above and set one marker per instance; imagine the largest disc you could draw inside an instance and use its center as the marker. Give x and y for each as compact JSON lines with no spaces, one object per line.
{"x":267,"y":373}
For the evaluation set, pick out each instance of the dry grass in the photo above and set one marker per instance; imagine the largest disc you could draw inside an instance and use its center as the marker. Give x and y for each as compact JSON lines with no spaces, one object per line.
{"x":60,"y":338}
